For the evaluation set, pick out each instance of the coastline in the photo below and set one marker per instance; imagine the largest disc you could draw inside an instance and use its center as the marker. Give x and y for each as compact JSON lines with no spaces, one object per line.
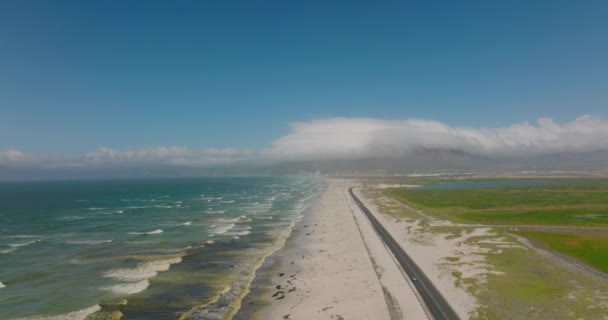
{"x":255,"y":300}
{"x":333,"y":266}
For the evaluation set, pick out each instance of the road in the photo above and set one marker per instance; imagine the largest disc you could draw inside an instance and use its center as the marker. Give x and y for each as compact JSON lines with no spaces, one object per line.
{"x":438,"y":307}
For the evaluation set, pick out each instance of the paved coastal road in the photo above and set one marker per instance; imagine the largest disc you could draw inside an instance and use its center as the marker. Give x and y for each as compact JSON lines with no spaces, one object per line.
{"x":435,"y":303}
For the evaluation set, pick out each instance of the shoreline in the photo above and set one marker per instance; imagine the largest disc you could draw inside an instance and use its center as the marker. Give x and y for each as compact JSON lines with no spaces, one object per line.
{"x":332,"y":266}
{"x":256,"y":298}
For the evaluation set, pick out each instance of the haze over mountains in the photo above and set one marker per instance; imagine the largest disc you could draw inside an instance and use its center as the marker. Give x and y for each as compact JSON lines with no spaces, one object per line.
{"x":346,"y":146}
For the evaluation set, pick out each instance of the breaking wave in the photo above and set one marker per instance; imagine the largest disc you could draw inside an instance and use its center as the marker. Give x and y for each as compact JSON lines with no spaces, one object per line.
{"x":75,"y":315}
{"x":88,"y":242}
{"x":18,"y":245}
{"x":157,"y":231}
{"x":136,"y":278}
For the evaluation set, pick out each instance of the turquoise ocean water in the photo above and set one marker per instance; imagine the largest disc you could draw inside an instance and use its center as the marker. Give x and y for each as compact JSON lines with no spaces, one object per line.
{"x":145,"y":249}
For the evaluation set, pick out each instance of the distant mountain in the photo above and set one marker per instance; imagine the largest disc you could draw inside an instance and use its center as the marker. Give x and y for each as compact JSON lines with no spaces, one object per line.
{"x":421,"y":161}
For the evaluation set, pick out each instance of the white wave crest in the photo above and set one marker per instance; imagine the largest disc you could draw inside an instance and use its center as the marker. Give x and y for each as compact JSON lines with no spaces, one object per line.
{"x":136,"y":279}
{"x":88,"y":242}
{"x":221,"y":229}
{"x":187,"y":223}
{"x":75,"y":315}
{"x":215,"y":211}
{"x":239,"y":233}
{"x":175,"y":250}
{"x":142,"y":271}
{"x":17,"y":245}
{"x":2,"y":285}
{"x":128,"y":288}
{"x":239,"y":230}
{"x":157,"y":231}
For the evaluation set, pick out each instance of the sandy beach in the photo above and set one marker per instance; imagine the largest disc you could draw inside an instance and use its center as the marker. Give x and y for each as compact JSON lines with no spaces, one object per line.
{"x":339,"y":269}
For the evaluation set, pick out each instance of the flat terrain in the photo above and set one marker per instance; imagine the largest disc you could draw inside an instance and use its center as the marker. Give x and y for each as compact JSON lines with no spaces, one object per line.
{"x":578,"y":203}
{"x":569,"y":203}
{"x":522,"y":251}
{"x":589,"y":248}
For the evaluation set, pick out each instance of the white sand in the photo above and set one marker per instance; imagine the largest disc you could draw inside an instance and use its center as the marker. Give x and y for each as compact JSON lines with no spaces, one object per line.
{"x":335,"y":274}
{"x":400,"y":295}
{"x":443,"y":255}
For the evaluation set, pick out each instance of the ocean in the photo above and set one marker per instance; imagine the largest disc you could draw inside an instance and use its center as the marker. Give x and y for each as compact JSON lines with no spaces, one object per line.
{"x":141,"y":249}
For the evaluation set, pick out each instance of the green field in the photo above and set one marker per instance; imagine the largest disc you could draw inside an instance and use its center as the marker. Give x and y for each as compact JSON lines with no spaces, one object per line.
{"x":591,"y":249}
{"x":525,"y":284}
{"x":580,"y":203}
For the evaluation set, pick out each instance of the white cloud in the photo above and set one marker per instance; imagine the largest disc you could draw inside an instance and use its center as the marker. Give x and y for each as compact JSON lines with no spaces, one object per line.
{"x":11,"y":155}
{"x":345,"y":138}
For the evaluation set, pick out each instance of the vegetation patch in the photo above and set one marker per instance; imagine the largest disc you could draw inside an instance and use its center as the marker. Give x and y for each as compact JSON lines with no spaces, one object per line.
{"x":520,"y":283}
{"x":582,"y":203}
{"x":589,"y":248}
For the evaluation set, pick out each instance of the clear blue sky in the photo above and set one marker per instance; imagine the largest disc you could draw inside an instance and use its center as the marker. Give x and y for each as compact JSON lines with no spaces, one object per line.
{"x":77,"y":75}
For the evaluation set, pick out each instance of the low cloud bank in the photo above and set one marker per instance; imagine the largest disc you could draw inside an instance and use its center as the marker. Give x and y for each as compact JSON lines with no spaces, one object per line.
{"x":359,"y":138}
{"x":355,"y":138}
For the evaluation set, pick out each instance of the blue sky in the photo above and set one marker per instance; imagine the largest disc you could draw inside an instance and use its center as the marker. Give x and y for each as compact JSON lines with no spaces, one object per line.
{"x":79,"y":75}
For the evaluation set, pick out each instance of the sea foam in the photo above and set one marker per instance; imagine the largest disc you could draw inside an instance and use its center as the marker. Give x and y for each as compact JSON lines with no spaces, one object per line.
{"x":229,"y":227}
{"x":221,"y":229}
{"x":129,"y":287}
{"x":17,"y":245}
{"x":215,"y":211}
{"x":2,"y":285}
{"x":142,"y":271}
{"x":88,"y":242}
{"x":75,"y":315}
{"x":136,"y":279}
{"x":157,"y":231}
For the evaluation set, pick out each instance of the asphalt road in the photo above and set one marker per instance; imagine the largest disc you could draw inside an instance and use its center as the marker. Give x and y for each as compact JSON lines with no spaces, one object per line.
{"x":435,"y":303}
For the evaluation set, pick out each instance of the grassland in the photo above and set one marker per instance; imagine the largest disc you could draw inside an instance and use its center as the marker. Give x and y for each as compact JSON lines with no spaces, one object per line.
{"x":589,"y":248}
{"x":523,"y":284}
{"x":569,"y":217}
{"x":580,"y":203}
